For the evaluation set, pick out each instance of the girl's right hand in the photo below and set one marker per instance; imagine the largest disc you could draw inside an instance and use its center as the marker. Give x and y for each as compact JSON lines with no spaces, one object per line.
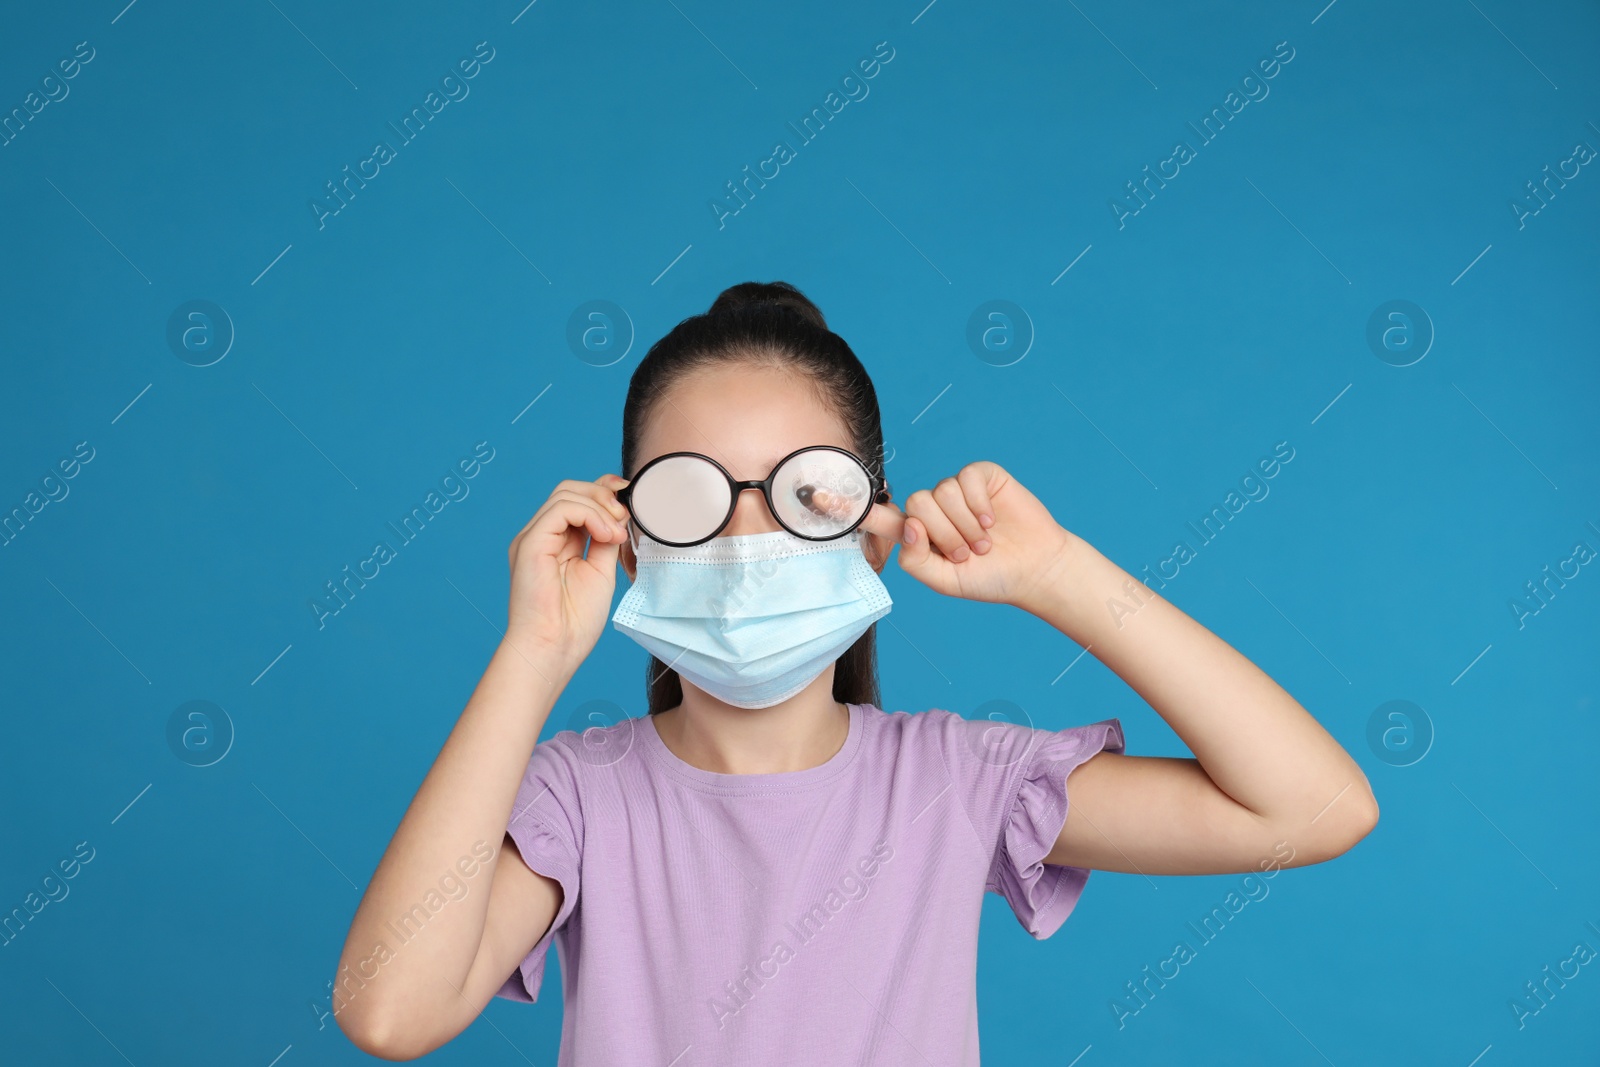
{"x":559,"y":599}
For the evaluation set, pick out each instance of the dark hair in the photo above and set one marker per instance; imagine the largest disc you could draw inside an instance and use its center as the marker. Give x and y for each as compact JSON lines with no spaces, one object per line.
{"x":765,"y":325}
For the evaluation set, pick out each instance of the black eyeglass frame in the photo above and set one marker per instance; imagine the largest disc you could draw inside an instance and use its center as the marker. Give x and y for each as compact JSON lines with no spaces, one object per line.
{"x":877,"y":482}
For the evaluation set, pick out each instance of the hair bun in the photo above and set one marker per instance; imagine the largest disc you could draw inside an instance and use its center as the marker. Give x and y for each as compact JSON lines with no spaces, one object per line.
{"x":755,"y":294}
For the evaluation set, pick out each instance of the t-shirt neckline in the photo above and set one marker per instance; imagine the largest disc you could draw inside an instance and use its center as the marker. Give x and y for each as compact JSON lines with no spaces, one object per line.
{"x":756,"y":784}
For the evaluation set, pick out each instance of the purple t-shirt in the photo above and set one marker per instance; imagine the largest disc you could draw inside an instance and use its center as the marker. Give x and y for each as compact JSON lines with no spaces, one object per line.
{"x":828,"y":915}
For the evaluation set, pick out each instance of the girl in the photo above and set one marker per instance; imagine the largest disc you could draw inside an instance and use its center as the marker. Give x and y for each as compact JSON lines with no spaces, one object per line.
{"x":767,"y":868}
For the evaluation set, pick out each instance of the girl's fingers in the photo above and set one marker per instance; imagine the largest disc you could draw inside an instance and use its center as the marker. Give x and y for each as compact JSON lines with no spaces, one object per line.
{"x":567,"y":509}
{"x":887,"y":521}
{"x":942,"y":533}
{"x":605,"y":488}
{"x":602,"y":524}
{"x":601,"y":491}
{"x":974,"y":479}
{"x":604,"y":554}
{"x":914,"y":548}
{"x":918,"y":559}
{"x":952,"y":498}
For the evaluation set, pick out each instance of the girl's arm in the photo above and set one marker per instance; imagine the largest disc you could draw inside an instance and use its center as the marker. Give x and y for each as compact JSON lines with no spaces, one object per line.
{"x":1268,"y":786}
{"x":400,"y":999}
{"x":1267,"y":780}
{"x":401,"y":994}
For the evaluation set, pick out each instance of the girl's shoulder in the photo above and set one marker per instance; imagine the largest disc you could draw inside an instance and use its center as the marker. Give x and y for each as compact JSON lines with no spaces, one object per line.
{"x":930,"y":731}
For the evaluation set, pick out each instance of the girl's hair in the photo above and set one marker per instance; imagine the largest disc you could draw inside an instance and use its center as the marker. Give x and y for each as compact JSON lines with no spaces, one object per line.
{"x":765,"y":326}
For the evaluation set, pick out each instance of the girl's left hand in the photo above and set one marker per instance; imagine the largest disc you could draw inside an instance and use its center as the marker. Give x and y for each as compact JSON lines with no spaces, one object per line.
{"x":980,"y":535}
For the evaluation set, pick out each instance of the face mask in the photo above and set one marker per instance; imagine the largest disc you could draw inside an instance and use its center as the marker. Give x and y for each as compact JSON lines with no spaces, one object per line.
{"x":752,"y":619}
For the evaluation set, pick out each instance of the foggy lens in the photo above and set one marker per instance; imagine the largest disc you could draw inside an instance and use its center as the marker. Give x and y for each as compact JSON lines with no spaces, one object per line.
{"x":680,"y":499}
{"x":821,"y":493}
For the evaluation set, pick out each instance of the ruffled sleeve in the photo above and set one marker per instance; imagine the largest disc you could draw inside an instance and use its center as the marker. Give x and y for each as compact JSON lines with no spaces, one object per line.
{"x":1043,"y":895}
{"x":546,"y":825}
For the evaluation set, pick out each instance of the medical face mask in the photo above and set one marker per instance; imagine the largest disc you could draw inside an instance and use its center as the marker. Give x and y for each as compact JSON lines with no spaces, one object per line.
{"x":751,"y":619}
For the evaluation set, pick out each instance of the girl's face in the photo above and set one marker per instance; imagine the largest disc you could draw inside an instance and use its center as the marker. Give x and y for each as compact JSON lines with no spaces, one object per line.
{"x":745,"y":418}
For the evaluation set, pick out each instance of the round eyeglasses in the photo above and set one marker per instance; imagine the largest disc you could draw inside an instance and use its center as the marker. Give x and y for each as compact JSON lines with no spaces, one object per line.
{"x":819,"y":493}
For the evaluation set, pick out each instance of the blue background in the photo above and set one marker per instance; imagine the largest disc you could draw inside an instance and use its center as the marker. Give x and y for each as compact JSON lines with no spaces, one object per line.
{"x":1131,"y":393}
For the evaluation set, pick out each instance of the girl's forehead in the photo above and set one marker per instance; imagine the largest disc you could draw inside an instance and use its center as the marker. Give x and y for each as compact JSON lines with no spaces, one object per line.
{"x":745,"y":421}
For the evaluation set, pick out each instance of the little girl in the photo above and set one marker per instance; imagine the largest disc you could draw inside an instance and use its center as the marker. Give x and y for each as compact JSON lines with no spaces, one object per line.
{"x":767,"y":869}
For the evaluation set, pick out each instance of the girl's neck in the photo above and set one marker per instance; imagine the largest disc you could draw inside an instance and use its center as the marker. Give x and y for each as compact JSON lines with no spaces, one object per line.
{"x":802,"y":732}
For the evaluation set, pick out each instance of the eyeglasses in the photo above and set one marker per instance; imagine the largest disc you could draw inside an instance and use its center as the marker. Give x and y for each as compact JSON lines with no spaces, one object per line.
{"x":819,"y":493}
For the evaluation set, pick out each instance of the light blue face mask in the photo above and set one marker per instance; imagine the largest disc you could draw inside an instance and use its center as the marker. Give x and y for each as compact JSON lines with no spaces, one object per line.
{"x":751,"y":619}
